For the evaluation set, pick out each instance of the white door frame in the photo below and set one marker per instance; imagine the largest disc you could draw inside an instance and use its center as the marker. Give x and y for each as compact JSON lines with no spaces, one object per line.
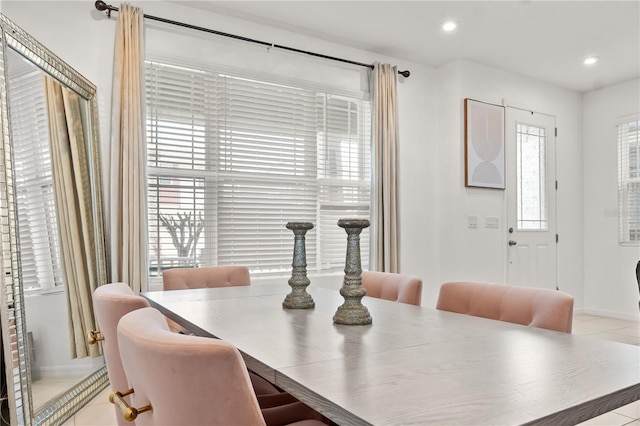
{"x":552,"y":190}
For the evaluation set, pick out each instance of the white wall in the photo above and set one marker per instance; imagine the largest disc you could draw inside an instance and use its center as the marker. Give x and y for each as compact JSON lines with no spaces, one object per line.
{"x":72,"y":34}
{"x":610,"y":282}
{"x":93,"y":57}
{"x":51,"y":344}
{"x":476,"y":254}
{"x":416,"y":107}
{"x":435,"y":241}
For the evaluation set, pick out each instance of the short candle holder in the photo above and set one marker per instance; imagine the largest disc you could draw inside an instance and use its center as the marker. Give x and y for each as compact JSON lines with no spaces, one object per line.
{"x":299,"y":298}
{"x":352,"y":311}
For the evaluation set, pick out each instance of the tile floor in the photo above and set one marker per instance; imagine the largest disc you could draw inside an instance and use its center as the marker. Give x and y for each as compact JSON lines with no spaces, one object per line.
{"x":99,"y":412}
{"x":46,"y":387}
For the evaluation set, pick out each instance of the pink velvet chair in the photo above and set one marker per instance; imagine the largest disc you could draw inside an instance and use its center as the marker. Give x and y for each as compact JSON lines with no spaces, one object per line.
{"x":211,"y":276}
{"x":110,"y":303}
{"x":536,"y":307}
{"x":190,"y":380}
{"x":396,"y":287}
{"x":220,"y":276}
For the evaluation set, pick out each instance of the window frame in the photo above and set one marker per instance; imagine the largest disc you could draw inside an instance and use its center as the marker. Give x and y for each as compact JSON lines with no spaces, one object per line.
{"x":313,"y":241}
{"x":628,"y":177}
{"x":42,"y":238}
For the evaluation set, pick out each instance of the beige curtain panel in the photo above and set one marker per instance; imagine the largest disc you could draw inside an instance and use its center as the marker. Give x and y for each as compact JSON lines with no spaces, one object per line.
{"x":127,"y":193}
{"x":74,"y":211}
{"x":384,"y":196}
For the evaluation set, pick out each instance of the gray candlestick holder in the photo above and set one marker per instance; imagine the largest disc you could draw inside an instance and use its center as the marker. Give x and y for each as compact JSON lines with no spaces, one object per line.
{"x":352,"y":311}
{"x":299,"y":298}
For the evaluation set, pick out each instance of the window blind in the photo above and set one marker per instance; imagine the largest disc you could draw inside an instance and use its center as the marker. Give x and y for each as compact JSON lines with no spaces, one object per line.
{"x":629,"y":181}
{"x":36,"y":214}
{"x":239,"y":157}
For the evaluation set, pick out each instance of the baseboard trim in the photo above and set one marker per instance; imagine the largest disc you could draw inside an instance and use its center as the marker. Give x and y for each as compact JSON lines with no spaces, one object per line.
{"x":608,"y":314}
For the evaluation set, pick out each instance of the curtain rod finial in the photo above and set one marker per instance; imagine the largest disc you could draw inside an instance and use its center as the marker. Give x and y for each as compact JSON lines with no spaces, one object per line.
{"x":100,"y":5}
{"x":405,"y":73}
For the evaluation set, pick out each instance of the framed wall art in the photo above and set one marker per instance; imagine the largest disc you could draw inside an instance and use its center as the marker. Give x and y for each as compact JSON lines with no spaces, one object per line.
{"x":484,"y":145}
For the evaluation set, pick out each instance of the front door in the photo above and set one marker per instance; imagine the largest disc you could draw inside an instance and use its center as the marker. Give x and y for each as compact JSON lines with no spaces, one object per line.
{"x":531,"y":199}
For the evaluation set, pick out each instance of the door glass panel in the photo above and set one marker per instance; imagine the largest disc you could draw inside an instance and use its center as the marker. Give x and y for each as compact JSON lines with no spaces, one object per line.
{"x":531,"y":212}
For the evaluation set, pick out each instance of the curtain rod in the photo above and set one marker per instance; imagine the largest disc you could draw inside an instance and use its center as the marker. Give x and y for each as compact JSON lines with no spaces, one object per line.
{"x":102,"y":6}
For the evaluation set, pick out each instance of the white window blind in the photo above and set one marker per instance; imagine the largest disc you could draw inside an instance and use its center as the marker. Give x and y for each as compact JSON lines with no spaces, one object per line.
{"x":232,"y":159}
{"x":36,"y":214}
{"x":629,"y":181}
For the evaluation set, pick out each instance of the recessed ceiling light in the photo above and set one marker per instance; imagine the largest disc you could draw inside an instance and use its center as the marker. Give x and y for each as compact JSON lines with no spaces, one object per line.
{"x":591,"y":60}
{"x":449,"y":26}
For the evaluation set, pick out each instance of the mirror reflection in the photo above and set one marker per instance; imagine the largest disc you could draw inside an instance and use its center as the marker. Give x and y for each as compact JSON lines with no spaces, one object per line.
{"x":54,"y":369}
{"x":56,"y":239}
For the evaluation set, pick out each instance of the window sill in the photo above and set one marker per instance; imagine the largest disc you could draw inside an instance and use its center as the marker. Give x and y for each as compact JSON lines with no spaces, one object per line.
{"x":44,"y":292}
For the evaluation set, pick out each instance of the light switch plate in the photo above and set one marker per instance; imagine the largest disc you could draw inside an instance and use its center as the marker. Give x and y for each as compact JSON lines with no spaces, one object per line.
{"x":492,"y":222}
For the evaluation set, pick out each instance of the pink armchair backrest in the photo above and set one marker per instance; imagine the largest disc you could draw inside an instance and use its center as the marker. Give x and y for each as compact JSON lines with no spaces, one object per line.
{"x":188,"y":380}
{"x":111,"y":302}
{"x":396,"y":287}
{"x":537,"y":307}
{"x":213,"y":276}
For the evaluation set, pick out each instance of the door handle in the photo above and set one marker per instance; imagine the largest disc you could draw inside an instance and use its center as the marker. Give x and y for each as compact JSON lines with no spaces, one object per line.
{"x":513,"y":243}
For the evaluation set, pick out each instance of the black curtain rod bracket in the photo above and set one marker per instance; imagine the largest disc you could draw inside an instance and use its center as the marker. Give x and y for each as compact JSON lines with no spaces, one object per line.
{"x":107,"y":8}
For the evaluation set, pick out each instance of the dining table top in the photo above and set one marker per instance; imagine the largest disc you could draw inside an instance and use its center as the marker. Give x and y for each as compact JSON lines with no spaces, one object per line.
{"x":413,"y":365}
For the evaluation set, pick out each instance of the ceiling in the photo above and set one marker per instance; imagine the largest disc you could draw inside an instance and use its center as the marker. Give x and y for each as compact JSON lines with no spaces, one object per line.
{"x":544,"y":40}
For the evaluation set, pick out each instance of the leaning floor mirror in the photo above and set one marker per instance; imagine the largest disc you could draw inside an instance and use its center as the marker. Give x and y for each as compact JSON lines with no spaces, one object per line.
{"x":52,"y":239}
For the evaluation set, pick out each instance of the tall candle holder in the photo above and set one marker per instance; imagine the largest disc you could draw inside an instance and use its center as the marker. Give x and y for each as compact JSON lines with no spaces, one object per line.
{"x":299,"y":298}
{"x":352,"y":311}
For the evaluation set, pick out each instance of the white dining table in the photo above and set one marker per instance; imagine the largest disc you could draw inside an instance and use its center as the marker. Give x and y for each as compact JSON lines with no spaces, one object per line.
{"x":414,"y":365}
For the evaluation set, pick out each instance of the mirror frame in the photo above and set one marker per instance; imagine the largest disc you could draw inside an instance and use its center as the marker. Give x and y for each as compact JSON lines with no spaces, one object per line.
{"x":13,"y":323}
